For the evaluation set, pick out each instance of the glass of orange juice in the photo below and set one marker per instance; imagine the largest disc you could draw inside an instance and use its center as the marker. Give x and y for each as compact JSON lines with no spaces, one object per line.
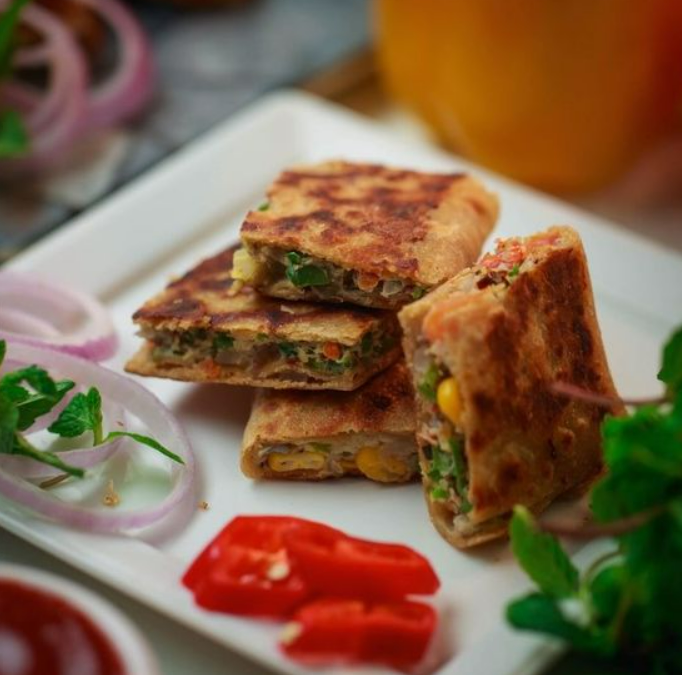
{"x":562,"y":94}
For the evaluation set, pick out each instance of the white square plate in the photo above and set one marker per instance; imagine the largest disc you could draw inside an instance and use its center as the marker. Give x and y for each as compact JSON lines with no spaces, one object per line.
{"x":190,"y":207}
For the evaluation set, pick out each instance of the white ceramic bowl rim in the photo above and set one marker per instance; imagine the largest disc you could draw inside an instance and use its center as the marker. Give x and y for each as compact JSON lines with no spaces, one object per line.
{"x":125,"y":638}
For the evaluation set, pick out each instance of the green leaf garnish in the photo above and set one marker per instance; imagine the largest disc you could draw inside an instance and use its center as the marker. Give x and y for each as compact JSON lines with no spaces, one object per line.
{"x":542,"y":613}
{"x":513,"y":272}
{"x":43,"y":395}
{"x":629,"y":601}
{"x":9,"y":21}
{"x":418,"y":292}
{"x":24,"y":448}
{"x":542,"y":557}
{"x":264,"y":206}
{"x":83,"y":413}
{"x":9,"y":416}
{"x":14,"y":139}
{"x":671,"y":368}
{"x":146,"y":440}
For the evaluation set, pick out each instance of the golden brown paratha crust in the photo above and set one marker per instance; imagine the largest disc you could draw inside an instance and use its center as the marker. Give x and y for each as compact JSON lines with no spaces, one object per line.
{"x":525,"y":444}
{"x":210,"y":372}
{"x":424,"y":227}
{"x":202,"y":299}
{"x":385,"y":405}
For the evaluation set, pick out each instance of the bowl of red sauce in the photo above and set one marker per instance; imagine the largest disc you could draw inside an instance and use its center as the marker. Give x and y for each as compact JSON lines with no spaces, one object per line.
{"x":51,"y":626}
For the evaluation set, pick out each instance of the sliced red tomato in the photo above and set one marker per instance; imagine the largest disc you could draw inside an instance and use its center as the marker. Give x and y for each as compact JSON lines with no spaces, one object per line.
{"x":248,"y":570}
{"x":350,"y":567}
{"x":353,"y":631}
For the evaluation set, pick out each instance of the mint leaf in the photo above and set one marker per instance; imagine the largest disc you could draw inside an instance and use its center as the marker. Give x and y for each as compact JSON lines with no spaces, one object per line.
{"x":542,"y":557}
{"x":9,"y":20}
{"x":606,"y":591}
{"x":14,"y":139}
{"x":36,"y":377}
{"x":671,"y":367}
{"x":644,"y":456}
{"x":44,"y":395}
{"x":8,"y":424}
{"x":146,"y":440}
{"x":541,"y":613}
{"x":83,"y":413}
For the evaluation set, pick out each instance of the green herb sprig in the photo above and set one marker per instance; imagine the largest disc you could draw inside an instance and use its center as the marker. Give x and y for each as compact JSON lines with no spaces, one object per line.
{"x":29,"y":393}
{"x":627,"y":606}
{"x":14,"y":139}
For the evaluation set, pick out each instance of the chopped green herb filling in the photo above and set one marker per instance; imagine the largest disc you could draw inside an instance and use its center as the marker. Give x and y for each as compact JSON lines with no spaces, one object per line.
{"x":287,"y":350}
{"x":427,"y":387}
{"x":222,"y":341}
{"x":448,"y":471}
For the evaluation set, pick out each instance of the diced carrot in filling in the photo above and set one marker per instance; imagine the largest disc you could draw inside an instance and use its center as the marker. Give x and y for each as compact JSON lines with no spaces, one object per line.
{"x":332,"y":350}
{"x":366,"y":281}
{"x":505,"y":258}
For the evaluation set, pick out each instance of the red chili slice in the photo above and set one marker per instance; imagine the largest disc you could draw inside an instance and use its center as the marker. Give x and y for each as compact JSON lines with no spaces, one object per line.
{"x":353,"y":631}
{"x":350,"y":567}
{"x":248,"y":570}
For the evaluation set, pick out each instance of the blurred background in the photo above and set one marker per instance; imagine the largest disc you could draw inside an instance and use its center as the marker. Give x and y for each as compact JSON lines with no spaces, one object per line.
{"x":579,"y":99}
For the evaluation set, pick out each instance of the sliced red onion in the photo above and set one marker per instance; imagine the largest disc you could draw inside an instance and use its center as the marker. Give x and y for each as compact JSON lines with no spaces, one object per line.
{"x":17,"y":321}
{"x":130,"y":87}
{"x":31,"y":307}
{"x":68,"y":109}
{"x":57,"y":120}
{"x":82,"y":458}
{"x":160,"y":422}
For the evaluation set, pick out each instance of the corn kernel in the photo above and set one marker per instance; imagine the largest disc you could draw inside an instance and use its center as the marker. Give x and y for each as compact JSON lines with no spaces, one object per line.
{"x":448,"y":399}
{"x":384,"y":467}
{"x":296,"y":461}
{"x":244,"y":267}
